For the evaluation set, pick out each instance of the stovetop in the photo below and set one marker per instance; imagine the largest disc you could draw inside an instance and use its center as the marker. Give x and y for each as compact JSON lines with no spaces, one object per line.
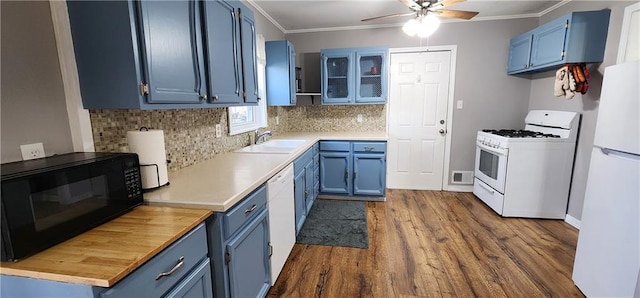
{"x":519,"y":133}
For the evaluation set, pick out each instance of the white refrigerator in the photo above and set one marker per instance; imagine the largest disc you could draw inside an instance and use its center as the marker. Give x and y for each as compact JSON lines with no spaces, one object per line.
{"x":607,"y":262}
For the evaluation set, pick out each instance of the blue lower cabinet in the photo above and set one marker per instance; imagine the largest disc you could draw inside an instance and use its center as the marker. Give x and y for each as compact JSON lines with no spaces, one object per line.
{"x":196,"y":285}
{"x":335,"y":172}
{"x":247,"y":258}
{"x":239,"y":248}
{"x":304,"y":194}
{"x":369,"y":174}
{"x":353,"y":168}
{"x":299,"y":197}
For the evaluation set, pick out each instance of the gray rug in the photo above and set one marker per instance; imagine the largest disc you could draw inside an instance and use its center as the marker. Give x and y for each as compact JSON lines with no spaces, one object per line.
{"x":336,"y":223}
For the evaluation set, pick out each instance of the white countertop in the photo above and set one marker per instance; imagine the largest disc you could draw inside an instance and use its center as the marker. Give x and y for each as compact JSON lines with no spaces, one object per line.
{"x":219,"y":183}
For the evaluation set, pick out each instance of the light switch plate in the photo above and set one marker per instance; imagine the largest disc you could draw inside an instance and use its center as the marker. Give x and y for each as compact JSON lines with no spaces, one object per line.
{"x":459,"y":104}
{"x":359,"y":118}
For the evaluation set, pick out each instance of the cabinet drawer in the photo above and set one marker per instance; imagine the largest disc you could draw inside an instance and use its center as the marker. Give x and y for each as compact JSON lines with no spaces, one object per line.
{"x":245,"y":210}
{"x":191,"y":248}
{"x":377,"y":147}
{"x":334,"y":146}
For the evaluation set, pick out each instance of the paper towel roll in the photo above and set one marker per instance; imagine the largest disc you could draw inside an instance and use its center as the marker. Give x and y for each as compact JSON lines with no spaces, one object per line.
{"x":149,"y":145}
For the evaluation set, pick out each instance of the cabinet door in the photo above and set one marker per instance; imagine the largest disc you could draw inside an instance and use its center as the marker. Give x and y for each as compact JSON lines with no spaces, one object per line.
{"x":519,"y":52}
{"x":172,"y":51}
{"x":369,"y":174}
{"x":249,"y":60}
{"x":308,"y":186}
{"x":292,"y":72}
{"x":548,"y":43}
{"x":371,"y":77}
{"x":224,"y":56}
{"x":337,"y":75}
{"x":249,"y":260}
{"x":196,"y":285}
{"x":299,"y":197}
{"x":280,"y":72}
{"x":335,"y":177}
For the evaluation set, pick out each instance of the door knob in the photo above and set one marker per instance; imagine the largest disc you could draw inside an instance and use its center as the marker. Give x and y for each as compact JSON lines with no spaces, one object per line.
{"x":442,"y":131}
{"x":441,"y":121}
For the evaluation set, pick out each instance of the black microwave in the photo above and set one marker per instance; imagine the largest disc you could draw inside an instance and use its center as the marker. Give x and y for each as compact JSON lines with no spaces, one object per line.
{"x":49,"y":200}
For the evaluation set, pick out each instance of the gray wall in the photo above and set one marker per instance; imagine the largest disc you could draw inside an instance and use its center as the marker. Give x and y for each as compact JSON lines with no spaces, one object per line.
{"x":33,"y":102}
{"x":541,"y":96}
{"x":492,"y":99}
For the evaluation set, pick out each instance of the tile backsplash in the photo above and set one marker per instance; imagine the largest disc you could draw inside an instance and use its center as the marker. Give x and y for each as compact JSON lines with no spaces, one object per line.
{"x":190,"y":134}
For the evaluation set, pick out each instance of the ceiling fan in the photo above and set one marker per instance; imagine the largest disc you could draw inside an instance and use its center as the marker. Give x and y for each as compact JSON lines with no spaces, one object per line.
{"x":423,"y":8}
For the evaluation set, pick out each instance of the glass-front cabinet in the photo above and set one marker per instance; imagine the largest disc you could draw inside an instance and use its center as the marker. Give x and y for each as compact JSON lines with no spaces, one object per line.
{"x":337,"y":77}
{"x":354,"y":76}
{"x":372,"y":72}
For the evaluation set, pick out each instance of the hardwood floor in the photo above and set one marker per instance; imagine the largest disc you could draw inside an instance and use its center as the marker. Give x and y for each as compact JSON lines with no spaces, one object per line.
{"x":433,"y":243}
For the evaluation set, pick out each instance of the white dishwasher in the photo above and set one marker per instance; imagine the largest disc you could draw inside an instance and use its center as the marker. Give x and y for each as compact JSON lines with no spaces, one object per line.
{"x":282,"y":229}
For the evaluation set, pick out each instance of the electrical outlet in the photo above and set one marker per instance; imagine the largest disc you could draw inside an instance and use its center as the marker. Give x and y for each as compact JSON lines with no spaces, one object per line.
{"x":32,"y":151}
{"x":359,"y":118}
{"x":277,"y":120}
{"x":218,"y":131}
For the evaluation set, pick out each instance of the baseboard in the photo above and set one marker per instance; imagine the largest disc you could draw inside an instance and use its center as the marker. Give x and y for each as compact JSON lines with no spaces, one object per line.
{"x":348,"y":198}
{"x":460,"y":188}
{"x":572,"y":221}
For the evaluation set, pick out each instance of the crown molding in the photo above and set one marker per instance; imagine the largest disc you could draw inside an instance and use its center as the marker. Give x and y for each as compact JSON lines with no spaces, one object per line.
{"x":376,"y":26}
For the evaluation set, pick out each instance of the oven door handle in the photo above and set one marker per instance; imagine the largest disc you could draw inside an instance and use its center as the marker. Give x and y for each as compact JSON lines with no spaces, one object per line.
{"x":499,"y":151}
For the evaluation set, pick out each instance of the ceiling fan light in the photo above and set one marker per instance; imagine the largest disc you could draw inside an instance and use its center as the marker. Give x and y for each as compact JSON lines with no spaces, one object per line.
{"x":428,"y":25}
{"x":411,"y":27}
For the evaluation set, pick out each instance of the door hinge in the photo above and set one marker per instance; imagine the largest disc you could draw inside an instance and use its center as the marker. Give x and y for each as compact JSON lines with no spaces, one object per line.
{"x":227,"y":258}
{"x":239,"y":15}
{"x":562,"y":54}
{"x":270,"y":249}
{"x":566,"y":24}
{"x":144,"y":88}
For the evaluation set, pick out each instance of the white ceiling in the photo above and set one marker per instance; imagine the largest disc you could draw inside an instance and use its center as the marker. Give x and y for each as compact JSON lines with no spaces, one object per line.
{"x":295,"y":16}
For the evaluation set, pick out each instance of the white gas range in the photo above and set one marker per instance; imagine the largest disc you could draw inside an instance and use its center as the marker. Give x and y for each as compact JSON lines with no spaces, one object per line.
{"x":527,"y":173}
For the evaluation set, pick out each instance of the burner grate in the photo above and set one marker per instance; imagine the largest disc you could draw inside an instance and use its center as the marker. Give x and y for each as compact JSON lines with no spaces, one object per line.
{"x":521,"y":133}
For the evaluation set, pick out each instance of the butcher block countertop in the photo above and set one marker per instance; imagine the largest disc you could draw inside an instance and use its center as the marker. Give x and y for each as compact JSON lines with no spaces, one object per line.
{"x":104,"y":255}
{"x":221,"y":182}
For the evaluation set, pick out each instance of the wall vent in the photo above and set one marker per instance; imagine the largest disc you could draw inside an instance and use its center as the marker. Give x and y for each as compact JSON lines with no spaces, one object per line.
{"x":462,"y":177}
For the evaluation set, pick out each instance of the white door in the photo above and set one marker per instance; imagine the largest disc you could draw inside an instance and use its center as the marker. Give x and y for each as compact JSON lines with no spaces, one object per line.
{"x":419,"y":91}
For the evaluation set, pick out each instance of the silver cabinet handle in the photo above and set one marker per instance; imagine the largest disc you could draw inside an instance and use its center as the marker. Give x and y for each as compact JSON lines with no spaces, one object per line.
{"x":250,"y":209}
{"x":214,"y":98}
{"x":174,"y":269}
{"x":203,"y":97}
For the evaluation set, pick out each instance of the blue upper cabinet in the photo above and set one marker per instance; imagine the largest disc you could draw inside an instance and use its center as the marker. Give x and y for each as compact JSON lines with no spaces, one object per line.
{"x":249,"y":52}
{"x":164,"y":54}
{"x":337,"y":74}
{"x":174,"y":59}
{"x":372,"y":74}
{"x":578,"y":37}
{"x":280,"y":73}
{"x":354,"y":76}
{"x":519,"y":52}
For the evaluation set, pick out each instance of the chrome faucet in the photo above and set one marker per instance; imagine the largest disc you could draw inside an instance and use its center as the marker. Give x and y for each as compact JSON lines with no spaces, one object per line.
{"x":261,"y":137}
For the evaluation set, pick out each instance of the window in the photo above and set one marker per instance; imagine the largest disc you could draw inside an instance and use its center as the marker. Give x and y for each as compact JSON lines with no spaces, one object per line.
{"x":243,"y":119}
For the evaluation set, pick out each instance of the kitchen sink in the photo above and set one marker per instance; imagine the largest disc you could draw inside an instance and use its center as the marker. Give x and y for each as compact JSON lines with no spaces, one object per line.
{"x":282,"y":146}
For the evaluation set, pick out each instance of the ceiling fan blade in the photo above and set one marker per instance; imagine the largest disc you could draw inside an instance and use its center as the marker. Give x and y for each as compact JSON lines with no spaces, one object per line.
{"x":459,"y":14}
{"x":389,"y":16}
{"x":450,"y":2}
{"x":411,"y":4}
